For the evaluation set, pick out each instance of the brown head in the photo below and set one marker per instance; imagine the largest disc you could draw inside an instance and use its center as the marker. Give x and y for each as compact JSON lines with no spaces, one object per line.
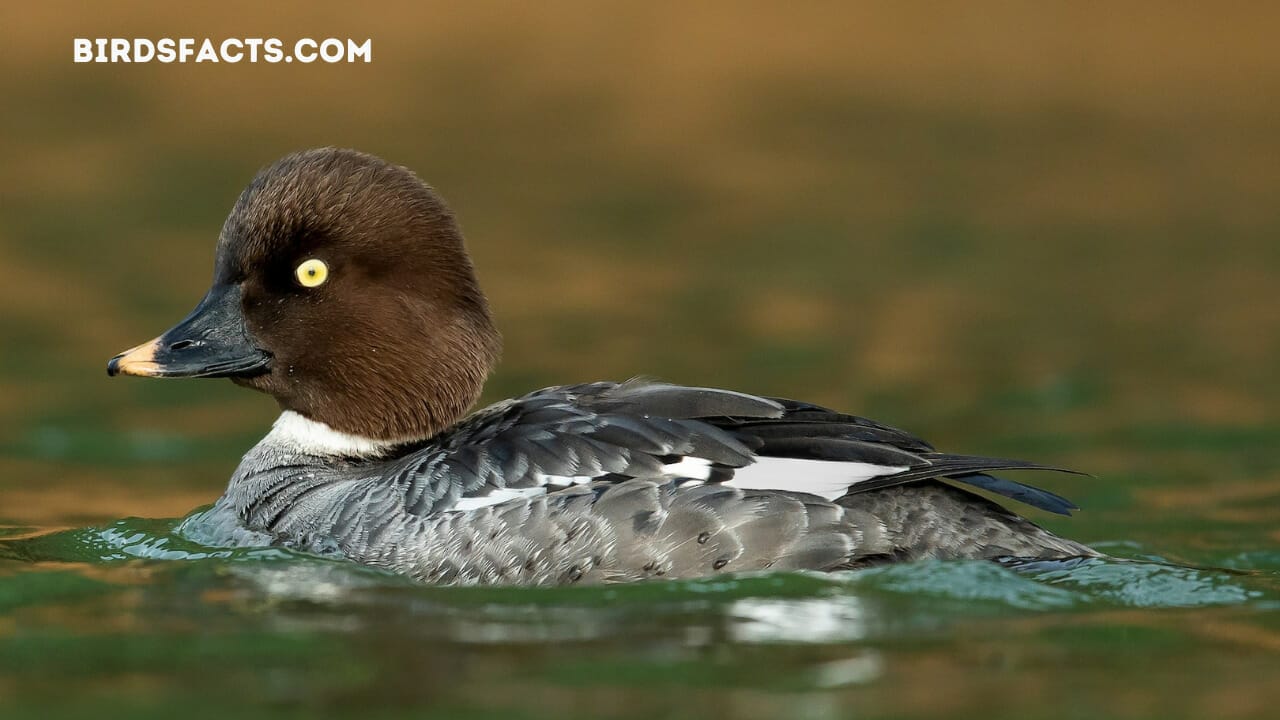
{"x":343,"y":289}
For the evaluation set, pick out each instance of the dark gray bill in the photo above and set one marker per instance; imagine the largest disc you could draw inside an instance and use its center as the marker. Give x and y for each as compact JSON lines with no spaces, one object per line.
{"x":212,"y":341}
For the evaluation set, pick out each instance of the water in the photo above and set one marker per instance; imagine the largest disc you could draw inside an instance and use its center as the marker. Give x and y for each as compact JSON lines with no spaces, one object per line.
{"x":136,"y":618}
{"x":1049,"y":234}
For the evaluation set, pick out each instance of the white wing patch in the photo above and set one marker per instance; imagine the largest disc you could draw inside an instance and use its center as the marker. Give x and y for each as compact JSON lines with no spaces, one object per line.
{"x":561,"y":480}
{"x":694,"y":468}
{"x":500,"y":495}
{"x":825,"y":478}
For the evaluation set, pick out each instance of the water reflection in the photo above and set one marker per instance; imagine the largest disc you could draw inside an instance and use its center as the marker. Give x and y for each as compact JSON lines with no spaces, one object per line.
{"x":136,"y":595}
{"x":835,"y":619}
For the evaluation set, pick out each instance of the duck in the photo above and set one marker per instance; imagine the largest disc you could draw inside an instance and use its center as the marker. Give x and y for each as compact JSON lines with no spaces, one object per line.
{"x":343,"y":289}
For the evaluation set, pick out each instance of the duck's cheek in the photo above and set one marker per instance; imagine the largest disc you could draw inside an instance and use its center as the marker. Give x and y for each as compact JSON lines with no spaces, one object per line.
{"x":261,"y":383}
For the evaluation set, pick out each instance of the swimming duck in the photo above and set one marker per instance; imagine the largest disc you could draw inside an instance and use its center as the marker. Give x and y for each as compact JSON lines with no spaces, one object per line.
{"x":343,"y":289}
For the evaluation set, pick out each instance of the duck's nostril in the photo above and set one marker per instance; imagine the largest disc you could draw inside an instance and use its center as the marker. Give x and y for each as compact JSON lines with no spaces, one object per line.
{"x":182,"y":345}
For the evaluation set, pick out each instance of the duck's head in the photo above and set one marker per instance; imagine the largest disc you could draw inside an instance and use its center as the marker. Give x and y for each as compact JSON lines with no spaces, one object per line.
{"x":343,"y":289}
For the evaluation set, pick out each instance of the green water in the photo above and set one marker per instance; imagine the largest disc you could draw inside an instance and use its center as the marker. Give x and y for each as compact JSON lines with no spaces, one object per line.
{"x":140,"y":621}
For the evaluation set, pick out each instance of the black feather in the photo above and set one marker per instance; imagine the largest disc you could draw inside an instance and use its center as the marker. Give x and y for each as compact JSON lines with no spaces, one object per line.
{"x":611,"y":432}
{"x":816,"y":447}
{"x":965,"y":468}
{"x":801,"y":420}
{"x":677,"y":402}
{"x":1033,"y":496}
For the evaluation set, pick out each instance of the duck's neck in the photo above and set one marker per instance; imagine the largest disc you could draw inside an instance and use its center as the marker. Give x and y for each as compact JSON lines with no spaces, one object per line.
{"x":400,"y":385}
{"x":312,"y":437}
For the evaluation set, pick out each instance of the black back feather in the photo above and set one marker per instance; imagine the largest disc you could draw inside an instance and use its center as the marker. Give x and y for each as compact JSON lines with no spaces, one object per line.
{"x":809,"y":431}
{"x":616,"y":431}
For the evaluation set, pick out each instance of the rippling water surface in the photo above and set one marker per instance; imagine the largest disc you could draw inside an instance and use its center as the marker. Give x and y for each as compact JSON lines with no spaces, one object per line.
{"x":134,"y":617}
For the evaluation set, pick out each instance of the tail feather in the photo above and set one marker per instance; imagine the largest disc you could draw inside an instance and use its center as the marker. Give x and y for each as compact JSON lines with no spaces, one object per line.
{"x":972,"y":470}
{"x":1033,"y":496}
{"x":806,"y":431}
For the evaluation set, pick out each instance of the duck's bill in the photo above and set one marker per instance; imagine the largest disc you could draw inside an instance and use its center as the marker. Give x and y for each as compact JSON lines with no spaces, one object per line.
{"x":213,"y":341}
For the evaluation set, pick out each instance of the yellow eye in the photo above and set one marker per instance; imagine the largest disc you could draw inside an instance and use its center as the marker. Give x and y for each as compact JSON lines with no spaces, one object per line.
{"x":312,"y":273}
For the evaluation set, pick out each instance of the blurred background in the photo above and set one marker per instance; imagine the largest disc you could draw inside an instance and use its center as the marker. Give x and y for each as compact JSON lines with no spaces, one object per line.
{"x":1040,"y":229}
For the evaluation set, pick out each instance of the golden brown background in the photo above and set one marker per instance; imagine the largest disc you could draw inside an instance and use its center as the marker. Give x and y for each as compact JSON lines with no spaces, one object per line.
{"x":909,"y":206}
{"x":1047,"y":229}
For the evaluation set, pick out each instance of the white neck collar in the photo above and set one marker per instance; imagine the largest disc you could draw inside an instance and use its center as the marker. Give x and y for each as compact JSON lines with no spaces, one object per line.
{"x":316,"y":438}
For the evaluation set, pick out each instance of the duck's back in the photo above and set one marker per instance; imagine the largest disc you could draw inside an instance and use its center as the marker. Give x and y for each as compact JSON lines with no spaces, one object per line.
{"x":616,"y":482}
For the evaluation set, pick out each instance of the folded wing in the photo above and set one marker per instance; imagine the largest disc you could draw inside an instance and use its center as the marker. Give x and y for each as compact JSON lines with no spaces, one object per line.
{"x":571,"y":435}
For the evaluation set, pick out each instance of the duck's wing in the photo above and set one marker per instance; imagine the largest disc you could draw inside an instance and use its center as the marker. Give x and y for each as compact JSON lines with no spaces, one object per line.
{"x":572,"y":435}
{"x":829,"y":439}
